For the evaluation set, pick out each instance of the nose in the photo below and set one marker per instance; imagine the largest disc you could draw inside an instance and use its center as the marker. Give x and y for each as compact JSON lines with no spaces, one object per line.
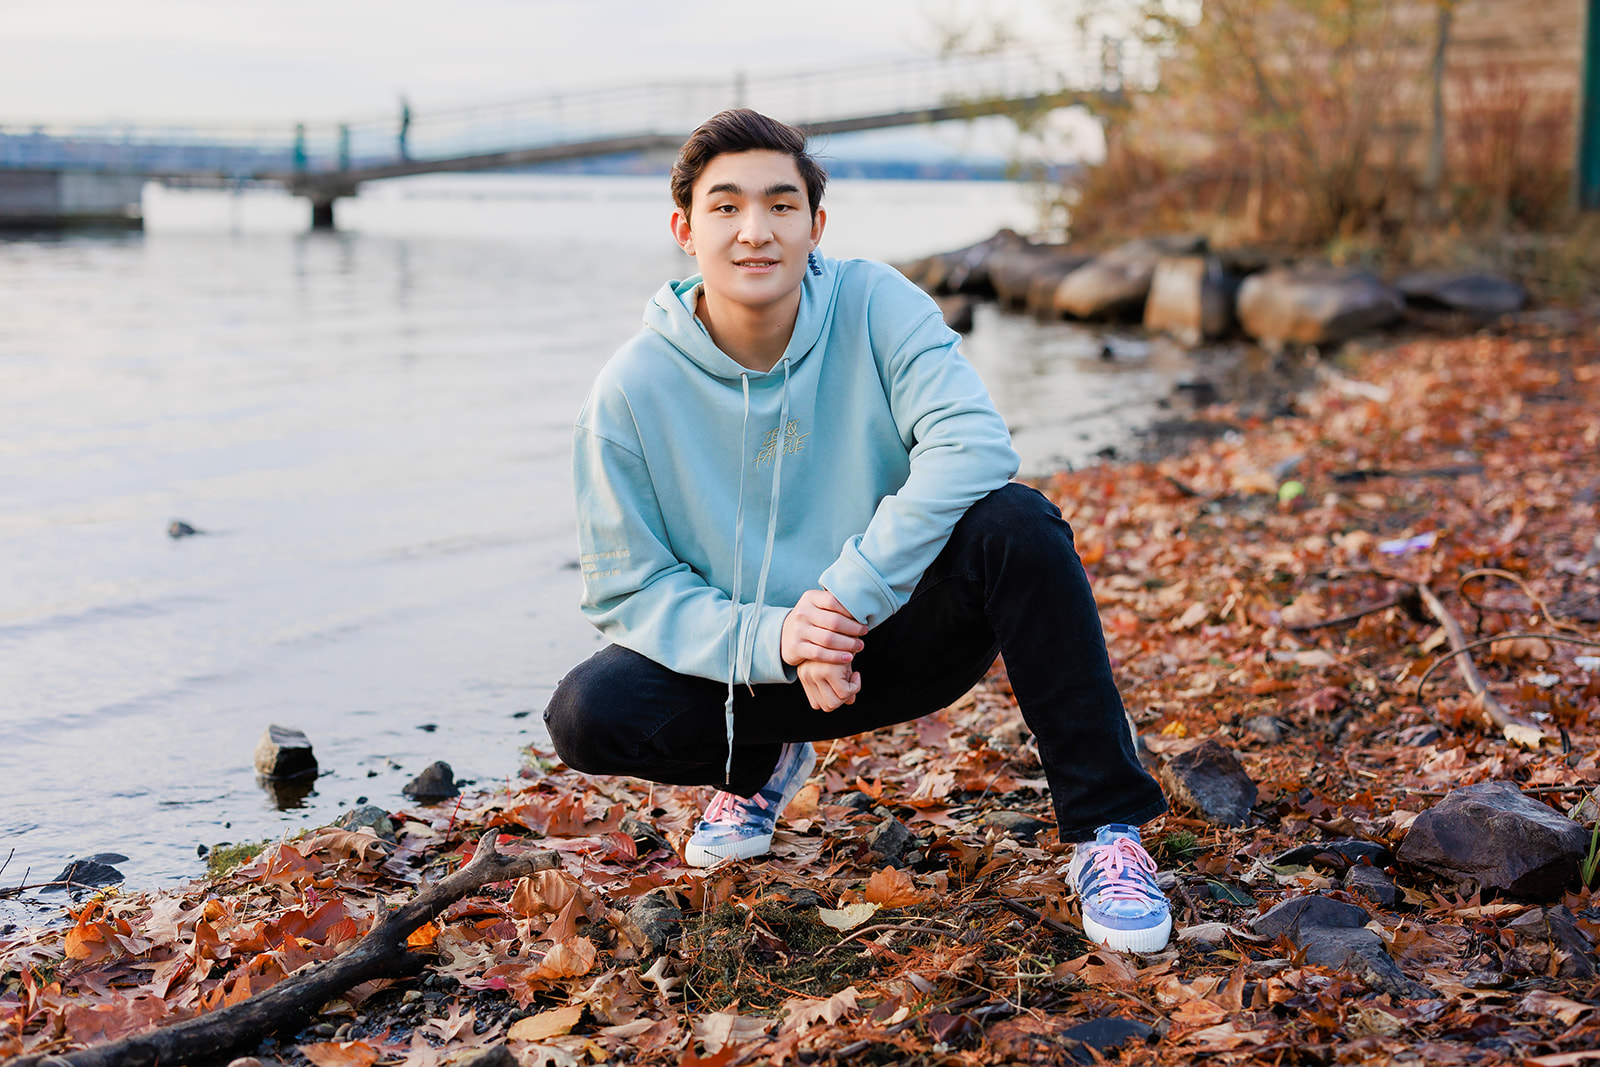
{"x":754,"y":229}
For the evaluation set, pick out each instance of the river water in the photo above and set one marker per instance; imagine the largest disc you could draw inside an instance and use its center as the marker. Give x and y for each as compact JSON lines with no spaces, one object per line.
{"x":372,"y":429}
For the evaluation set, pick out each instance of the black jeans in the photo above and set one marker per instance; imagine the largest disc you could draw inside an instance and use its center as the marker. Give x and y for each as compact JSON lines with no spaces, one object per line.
{"x":1009,"y":581}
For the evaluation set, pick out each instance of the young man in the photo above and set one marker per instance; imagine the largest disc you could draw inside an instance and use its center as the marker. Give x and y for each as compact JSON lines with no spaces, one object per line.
{"x":797,"y":523}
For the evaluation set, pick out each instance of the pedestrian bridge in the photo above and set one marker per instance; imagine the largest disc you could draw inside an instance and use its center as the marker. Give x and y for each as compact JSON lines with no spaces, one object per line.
{"x":326,"y":161}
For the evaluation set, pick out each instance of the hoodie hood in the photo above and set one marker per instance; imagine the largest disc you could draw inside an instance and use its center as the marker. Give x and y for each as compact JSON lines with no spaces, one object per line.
{"x":670,"y":313}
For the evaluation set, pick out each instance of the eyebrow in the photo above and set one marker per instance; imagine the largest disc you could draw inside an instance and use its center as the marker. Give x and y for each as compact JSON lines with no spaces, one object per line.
{"x":777,"y":189}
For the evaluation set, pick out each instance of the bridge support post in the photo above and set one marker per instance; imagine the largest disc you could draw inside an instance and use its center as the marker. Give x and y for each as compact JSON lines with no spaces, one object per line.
{"x":322,"y":214}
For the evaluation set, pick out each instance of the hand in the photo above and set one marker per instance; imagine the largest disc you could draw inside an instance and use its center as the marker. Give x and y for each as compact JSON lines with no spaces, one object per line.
{"x":829,"y":685}
{"x":819,"y":628}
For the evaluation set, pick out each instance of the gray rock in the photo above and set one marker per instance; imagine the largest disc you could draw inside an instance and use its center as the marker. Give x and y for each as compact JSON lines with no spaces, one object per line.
{"x":1115,"y":284}
{"x":1341,"y":853}
{"x":178,"y":528}
{"x":436,"y":782}
{"x":1265,"y":727}
{"x":1190,"y":298}
{"x":91,"y":871}
{"x":1209,"y":780}
{"x":498,"y":1056}
{"x":1290,"y":916}
{"x":646,"y":838}
{"x":1545,"y":930}
{"x":1488,"y":295}
{"x":1492,"y":836}
{"x":368,"y":816}
{"x":1373,"y":883}
{"x":657,"y":917}
{"x":1040,"y":298}
{"x":856,"y":800}
{"x":966,"y":270}
{"x":1314,"y":305}
{"x":1331,"y":933}
{"x":1105,"y":1033}
{"x":794,"y":896}
{"x":1017,"y":824}
{"x":891,"y":840}
{"x":1013,"y":271}
{"x":284,"y":752}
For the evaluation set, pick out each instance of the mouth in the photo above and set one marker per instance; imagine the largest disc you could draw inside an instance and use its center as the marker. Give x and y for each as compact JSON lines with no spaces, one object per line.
{"x":755,"y":264}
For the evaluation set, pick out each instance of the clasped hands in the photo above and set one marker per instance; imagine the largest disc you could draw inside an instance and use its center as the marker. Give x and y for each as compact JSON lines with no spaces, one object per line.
{"x":820,"y":640}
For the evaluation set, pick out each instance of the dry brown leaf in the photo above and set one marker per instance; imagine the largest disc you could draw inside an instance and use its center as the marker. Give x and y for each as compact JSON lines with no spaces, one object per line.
{"x":892,"y":887}
{"x":800,"y":1014}
{"x":340,"y":1054}
{"x":721,"y":1029}
{"x":546,"y":1024}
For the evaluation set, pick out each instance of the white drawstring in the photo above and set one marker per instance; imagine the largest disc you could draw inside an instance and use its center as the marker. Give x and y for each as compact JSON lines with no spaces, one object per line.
{"x":748,"y":642}
{"x":738,"y":576}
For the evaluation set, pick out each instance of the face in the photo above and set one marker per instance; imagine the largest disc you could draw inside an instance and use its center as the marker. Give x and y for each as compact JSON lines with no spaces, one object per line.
{"x":750,"y":228}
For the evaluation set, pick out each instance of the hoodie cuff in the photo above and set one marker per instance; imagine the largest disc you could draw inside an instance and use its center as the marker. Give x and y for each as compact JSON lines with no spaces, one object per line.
{"x":858,"y":587}
{"x":766,"y":663}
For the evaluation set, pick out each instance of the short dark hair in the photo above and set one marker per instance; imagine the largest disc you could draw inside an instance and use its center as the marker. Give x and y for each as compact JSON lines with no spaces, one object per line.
{"x":743,"y":130}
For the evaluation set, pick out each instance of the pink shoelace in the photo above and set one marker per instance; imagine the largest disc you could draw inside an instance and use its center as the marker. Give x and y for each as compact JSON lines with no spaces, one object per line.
{"x":1114,"y":860}
{"x":724,"y":805}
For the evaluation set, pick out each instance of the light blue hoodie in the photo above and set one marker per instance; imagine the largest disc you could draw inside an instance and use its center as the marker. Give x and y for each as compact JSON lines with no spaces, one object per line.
{"x":701,"y":483}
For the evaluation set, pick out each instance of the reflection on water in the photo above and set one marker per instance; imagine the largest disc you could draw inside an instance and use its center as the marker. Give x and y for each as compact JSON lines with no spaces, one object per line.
{"x":372,"y":427}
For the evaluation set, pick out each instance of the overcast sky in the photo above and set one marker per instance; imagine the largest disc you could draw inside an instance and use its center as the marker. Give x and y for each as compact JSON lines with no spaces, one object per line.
{"x":276,"y":62}
{"x":280,"y":60}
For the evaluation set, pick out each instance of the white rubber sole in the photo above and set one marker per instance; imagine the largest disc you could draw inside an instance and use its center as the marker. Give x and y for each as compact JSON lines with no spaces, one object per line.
{"x":1151,"y":940}
{"x":709,"y":855}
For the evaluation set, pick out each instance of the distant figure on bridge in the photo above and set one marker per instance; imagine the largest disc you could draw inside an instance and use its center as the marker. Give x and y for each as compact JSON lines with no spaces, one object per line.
{"x":405,"y":128}
{"x":797,"y":522}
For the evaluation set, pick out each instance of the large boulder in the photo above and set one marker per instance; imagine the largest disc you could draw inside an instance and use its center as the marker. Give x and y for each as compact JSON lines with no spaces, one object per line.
{"x":1314,"y":305}
{"x":1015,"y":271}
{"x":966,"y":270}
{"x":284,"y":752}
{"x":1115,"y":284}
{"x":1191,"y":297}
{"x":1494,"y":837}
{"x":1488,"y":295}
{"x":1209,"y":780}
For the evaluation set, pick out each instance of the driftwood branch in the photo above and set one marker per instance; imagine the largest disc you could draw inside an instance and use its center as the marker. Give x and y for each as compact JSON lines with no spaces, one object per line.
{"x":1514,"y":729}
{"x":382,"y":953}
{"x":1354,"y":616}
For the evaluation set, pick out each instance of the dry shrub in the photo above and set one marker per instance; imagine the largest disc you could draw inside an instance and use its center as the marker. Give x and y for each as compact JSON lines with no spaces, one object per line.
{"x":1281,"y":114}
{"x":1509,"y":150}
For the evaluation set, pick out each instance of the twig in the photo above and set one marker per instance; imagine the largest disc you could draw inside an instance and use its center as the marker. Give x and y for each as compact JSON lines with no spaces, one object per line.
{"x":1499,"y":637}
{"x":1515,"y":731}
{"x":382,"y":953}
{"x":1495,"y":572}
{"x":1038,"y":917}
{"x":910,"y":928}
{"x":1359,"y":613}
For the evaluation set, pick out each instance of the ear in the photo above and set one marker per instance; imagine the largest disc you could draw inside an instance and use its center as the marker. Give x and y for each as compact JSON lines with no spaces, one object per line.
{"x":681,"y":232}
{"x":817,"y":224}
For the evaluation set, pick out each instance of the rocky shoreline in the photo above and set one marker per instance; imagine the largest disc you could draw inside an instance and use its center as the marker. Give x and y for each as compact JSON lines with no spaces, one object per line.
{"x":1178,"y":285}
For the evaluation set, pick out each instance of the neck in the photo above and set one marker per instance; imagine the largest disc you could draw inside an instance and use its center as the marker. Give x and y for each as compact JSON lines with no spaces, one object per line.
{"x":754,"y":337}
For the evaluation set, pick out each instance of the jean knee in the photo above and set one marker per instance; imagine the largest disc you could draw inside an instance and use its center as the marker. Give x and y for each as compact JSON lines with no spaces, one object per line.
{"x":573,"y":722}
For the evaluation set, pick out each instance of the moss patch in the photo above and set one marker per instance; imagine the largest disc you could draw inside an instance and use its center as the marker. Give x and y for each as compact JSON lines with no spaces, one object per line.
{"x":224,"y":858}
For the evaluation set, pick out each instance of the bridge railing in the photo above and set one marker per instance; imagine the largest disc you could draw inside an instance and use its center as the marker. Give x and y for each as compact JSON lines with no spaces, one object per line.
{"x":805,"y":96}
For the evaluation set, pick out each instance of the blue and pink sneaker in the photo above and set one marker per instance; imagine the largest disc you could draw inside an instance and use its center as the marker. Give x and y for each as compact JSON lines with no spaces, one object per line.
{"x":1115,"y":877}
{"x":736,"y":827}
